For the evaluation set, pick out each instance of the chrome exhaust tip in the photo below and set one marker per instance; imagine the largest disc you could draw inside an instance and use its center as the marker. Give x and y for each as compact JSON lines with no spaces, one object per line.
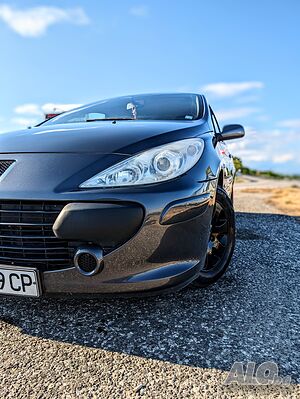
{"x":89,"y":260}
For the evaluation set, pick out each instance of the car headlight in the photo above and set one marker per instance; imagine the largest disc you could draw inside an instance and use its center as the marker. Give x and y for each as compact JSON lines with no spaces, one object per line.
{"x":152,"y":166}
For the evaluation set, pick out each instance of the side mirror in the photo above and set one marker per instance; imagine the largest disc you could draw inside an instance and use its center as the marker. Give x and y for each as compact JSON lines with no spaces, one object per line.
{"x":230,"y":132}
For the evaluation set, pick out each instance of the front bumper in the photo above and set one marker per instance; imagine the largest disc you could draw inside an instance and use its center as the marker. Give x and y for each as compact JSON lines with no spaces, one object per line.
{"x":163,"y":249}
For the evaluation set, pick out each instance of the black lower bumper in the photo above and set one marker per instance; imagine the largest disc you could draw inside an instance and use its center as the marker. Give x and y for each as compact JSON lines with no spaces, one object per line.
{"x":155,"y":248}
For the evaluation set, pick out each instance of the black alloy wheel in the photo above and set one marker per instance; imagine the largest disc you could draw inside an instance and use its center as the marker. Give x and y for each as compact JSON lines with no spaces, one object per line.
{"x":221,"y":241}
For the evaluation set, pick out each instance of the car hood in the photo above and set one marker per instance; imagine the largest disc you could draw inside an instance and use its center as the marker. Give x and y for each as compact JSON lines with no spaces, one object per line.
{"x":105,"y":137}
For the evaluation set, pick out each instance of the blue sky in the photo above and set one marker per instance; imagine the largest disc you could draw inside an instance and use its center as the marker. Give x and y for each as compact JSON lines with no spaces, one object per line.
{"x":245,"y":56}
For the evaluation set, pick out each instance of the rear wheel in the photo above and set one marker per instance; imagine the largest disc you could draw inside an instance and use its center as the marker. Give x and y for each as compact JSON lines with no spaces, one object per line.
{"x":221,"y":241}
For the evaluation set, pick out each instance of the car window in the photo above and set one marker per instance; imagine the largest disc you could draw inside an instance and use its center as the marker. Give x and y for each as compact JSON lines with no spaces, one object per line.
{"x":181,"y":107}
{"x":215,"y":122}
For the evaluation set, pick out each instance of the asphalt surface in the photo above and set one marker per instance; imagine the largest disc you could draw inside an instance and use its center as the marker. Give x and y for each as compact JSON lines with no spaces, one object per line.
{"x":174,"y":346}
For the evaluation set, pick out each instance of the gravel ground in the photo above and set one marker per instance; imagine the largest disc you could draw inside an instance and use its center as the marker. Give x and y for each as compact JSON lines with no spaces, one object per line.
{"x":247,"y":202}
{"x":175,"y":346}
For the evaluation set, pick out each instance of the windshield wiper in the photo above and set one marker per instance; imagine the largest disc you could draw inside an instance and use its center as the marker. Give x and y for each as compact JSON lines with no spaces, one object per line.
{"x":109,"y":119}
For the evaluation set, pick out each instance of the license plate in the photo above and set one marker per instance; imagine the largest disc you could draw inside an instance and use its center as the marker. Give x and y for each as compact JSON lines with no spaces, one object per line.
{"x":17,"y":281}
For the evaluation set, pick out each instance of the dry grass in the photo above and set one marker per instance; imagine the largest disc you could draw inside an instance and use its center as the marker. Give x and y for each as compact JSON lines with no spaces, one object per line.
{"x":286,"y":199}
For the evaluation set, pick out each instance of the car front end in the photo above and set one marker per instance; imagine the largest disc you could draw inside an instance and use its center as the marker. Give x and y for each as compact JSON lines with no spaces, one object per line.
{"x":66,"y":227}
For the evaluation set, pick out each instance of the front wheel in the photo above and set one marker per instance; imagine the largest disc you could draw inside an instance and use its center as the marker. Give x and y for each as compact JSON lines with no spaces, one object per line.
{"x":221,"y":241}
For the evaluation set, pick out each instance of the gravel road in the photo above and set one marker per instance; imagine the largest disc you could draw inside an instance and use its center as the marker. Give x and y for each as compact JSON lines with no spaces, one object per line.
{"x":175,"y":346}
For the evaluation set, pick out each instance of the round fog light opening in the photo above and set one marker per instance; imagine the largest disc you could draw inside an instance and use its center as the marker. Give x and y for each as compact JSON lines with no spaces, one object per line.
{"x":87,"y":262}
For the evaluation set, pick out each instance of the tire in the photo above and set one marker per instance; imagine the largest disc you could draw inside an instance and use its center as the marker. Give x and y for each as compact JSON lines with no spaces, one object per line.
{"x":221,"y":241}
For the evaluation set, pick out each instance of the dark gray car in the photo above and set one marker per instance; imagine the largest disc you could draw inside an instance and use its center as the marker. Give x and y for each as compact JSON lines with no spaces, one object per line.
{"x":131,"y":195}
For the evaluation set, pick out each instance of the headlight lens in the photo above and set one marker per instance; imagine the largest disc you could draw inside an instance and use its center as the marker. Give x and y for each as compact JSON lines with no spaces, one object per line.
{"x":152,"y":166}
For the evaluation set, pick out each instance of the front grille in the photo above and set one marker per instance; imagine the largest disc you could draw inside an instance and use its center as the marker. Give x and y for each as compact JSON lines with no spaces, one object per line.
{"x":4,"y":165}
{"x":27,"y":239}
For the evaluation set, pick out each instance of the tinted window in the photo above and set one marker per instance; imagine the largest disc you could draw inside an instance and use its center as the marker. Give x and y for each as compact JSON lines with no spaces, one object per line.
{"x":141,"y":107}
{"x":215,"y":122}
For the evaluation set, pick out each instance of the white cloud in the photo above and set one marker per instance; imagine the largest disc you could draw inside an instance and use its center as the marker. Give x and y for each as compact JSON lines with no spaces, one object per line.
{"x":28,"y":109}
{"x":54,"y":107}
{"x":290,"y":123}
{"x":24,"y":122}
{"x":284,"y":157}
{"x":273,"y":147}
{"x":34,"y":22}
{"x":40,"y":110}
{"x":32,"y":114}
{"x":235,"y":113}
{"x":139,"y":11}
{"x":223,"y":89}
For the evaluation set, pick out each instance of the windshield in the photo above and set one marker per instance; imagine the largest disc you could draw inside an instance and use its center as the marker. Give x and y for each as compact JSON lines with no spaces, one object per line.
{"x":140,"y":107}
